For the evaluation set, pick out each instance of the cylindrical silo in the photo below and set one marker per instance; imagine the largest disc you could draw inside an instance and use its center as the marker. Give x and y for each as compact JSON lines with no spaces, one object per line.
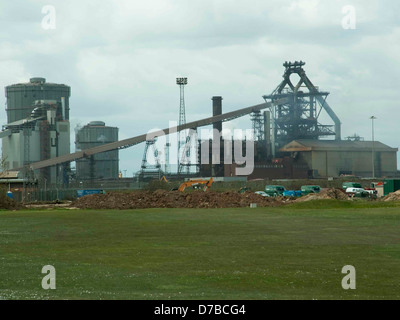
{"x":21,"y":97}
{"x":103,"y":165}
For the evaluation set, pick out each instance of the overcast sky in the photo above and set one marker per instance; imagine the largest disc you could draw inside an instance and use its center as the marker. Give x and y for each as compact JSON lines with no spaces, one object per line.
{"x":121,"y":58}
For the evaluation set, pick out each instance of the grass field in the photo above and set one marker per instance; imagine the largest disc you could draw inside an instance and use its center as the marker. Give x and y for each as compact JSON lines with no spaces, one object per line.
{"x":293,"y":252}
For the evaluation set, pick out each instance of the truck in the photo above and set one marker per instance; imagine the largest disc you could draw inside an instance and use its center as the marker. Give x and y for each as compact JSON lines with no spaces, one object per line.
{"x":346,"y":185}
{"x":305,"y":190}
{"x":357,"y":192}
{"x":355,"y":189}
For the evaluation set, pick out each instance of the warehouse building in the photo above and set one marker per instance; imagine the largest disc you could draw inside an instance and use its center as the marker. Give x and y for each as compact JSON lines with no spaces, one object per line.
{"x":335,"y":158}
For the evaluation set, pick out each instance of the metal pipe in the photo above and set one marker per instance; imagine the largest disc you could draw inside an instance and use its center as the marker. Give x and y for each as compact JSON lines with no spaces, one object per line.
{"x":267,"y":131}
{"x":63,"y":108}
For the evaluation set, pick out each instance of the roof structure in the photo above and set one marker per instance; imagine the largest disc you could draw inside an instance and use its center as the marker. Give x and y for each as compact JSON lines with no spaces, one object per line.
{"x":334,"y":145}
{"x":9,"y":174}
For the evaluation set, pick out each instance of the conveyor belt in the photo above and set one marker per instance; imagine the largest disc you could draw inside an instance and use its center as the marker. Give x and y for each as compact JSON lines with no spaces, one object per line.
{"x":138,"y":139}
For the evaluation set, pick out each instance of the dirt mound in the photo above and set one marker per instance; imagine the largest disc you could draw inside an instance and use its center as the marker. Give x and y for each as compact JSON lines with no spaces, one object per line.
{"x":173,"y":199}
{"x":8,"y":204}
{"x":394,"y":196}
{"x":325,"y":194}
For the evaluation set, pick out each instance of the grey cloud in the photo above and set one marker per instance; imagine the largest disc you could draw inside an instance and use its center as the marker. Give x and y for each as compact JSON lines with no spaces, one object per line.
{"x":121,"y":58}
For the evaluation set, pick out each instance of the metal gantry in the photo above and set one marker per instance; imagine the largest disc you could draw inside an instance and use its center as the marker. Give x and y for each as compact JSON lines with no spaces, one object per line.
{"x":298,"y":118}
{"x":130,"y":142}
{"x":150,"y":169}
{"x":257,"y":120}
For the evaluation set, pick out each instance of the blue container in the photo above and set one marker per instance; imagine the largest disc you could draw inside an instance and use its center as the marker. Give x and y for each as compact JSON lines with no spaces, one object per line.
{"x":82,"y":193}
{"x":10,"y":194}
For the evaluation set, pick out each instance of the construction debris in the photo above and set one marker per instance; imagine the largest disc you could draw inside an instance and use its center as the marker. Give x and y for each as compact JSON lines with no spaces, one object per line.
{"x":394,"y":196}
{"x":9,"y":204}
{"x":325,"y":194}
{"x":171,"y":199}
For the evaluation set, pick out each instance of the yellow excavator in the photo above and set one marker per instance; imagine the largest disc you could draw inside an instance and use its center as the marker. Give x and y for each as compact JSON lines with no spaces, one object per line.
{"x":197,"y":182}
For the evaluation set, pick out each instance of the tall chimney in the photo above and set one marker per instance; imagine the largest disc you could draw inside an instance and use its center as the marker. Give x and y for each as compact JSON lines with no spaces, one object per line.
{"x":217,"y":110}
{"x":216,"y":169}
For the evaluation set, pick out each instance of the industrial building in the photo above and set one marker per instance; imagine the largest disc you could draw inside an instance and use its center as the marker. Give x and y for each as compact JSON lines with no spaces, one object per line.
{"x":37,"y":127}
{"x":291,"y":143}
{"x":290,"y":140}
{"x":103,"y":165}
{"x":336,"y":158}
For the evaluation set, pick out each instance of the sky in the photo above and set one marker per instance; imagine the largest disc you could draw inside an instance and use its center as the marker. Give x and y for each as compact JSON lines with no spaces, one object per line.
{"x":121,"y":58}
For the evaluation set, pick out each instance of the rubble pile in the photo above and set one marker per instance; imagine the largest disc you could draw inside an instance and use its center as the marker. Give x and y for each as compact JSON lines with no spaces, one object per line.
{"x":173,"y":199}
{"x":8,"y":204}
{"x":394,"y":196}
{"x":336,"y":194}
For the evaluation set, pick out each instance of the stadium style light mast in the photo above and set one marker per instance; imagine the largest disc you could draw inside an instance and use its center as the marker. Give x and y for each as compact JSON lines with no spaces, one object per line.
{"x":181,"y":82}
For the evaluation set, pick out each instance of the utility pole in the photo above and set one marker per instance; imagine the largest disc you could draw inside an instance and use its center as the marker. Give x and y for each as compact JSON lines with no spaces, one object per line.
{"x":373,"y":147}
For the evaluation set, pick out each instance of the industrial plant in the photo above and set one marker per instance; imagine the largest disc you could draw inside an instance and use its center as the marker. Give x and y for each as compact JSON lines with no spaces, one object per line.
{"x":37,"y":127}
{"x":104,"y":165}
{"x":290,"y":140}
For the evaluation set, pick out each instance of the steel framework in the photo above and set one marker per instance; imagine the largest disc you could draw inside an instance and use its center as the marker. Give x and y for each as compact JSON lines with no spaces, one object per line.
{"x":183,"y":139}
{"x":130,"y":142}
{"x":257,"y":119}
{"x":150,"y":169}
{"x":298,"y":118}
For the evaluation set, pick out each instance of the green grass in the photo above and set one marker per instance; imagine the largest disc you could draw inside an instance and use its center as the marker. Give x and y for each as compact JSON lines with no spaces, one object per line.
{"x":293,"y":252}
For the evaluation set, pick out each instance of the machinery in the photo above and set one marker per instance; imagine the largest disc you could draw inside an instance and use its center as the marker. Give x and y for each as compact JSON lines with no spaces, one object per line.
{"x":298,"y":118}
{"x":198,"y":182}
{"x":163,"y":178}
{"x":37,"y":128}
{"x":126,"y":143}
{"x":150,"y":171}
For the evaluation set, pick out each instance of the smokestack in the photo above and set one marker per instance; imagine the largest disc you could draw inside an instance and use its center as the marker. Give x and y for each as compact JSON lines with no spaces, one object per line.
{"x":217,"y":110}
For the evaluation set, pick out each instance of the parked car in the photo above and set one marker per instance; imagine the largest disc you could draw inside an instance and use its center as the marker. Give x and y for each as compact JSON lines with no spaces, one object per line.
{"x":274,"y":191}
{"x":310,"y":189}
{"x":262,"y":193}
{"x":346,"y":185}
{"x":357,"y":192}
{"x":292,"y":193}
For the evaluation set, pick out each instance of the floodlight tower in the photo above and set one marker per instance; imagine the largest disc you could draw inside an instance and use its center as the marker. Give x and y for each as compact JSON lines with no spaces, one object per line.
{"x":182,"y":139}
